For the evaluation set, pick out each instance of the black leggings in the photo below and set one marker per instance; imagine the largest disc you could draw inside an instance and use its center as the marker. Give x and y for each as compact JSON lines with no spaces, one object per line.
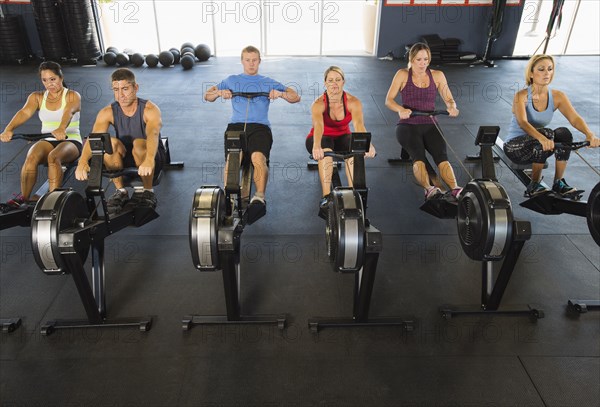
{"x":418,"y":138}
{"x":527,"y":150}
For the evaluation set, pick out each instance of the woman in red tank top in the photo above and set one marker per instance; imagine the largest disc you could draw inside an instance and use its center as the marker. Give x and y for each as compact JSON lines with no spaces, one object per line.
{"x":331,"y":116}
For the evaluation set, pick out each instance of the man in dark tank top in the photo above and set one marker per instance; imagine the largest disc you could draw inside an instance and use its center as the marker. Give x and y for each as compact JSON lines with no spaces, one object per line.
{"x":137,"y":123}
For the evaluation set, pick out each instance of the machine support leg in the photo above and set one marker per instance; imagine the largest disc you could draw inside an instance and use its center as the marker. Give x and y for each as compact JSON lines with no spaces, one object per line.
{"x":505,"y":273}
{"x":364,"y":281}
{"x":75,"y":267}
{"x":231,"y":287}
{"x":98,"y":280}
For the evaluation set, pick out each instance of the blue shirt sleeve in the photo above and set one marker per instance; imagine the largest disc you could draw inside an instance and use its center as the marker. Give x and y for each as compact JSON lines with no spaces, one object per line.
{"x":277,"y":85}
{"x":224,"y":84}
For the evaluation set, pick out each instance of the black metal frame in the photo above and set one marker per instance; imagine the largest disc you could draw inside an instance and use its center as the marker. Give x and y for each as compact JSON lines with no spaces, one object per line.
{"x":10,"y":324}
{"x":18,"y":217}
{"x":22,"y":217}
{"x":364,"y":279}
{"x":547,"y":204}
{"x":168,"y":162}
{"x":238,"y":182}
{"x":95,"y":231}
{"x":583,"y":306}
{"x":493,"y":290}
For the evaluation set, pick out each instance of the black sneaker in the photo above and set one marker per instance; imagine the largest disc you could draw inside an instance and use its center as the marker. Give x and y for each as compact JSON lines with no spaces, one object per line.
{"x":146,"y":199}
{"x":256,"y":210}
{"x":561,"y":187}
{"x":323,"y":202}
{"x":324,"y":206}
{"x":117,"y":201}
{"x":534,"y":188}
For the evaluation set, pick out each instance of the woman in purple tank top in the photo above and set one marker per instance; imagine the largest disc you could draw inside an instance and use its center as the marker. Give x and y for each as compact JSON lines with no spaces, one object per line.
{"x":418,"y":86}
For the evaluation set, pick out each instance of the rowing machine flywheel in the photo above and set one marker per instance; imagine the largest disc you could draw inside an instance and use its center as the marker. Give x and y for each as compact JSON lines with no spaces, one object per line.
{"x":53,"y":215}
{"x":485,"y":220}
{"x":593,"y":213}
{"x":206,"y":216}
{"x":345,"y":230}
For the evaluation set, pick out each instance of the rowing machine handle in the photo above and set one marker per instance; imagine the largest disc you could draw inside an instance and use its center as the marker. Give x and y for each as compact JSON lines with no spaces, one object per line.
{"x":571,"y":146}
{"x":250,"y":95}
{"x":127,"y":172}
{"x":340,"y":156}
{"x":431,"y":113}
{"x":31,"y":137}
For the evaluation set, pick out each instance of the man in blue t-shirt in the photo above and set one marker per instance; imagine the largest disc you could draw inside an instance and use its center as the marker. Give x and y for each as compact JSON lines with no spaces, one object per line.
{"x":252,"y":116}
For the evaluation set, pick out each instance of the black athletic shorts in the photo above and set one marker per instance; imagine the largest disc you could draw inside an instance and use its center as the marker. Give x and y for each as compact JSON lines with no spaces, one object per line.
{"x":258,"y":138}
{"x":338,"y":144}
{"x":129,"y":161}
{"x":57,"y":142}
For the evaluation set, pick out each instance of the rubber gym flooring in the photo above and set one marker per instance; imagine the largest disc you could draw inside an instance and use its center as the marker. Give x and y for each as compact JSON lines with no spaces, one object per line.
{"x":484,"y":360}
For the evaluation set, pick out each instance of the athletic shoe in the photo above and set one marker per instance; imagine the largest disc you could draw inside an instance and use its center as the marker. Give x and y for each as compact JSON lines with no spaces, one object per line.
{"x":455,"y":192}
{"x":324,"y":202}
{"x":561,"y":187}
{"x":324,"y":206}
{"x":256,"y":210}
{"x":117,"y":201}
{"x":433,"y":193}
{"x":534,"y":188}
{"x":16,"y":201}
{"x":145,"y":199}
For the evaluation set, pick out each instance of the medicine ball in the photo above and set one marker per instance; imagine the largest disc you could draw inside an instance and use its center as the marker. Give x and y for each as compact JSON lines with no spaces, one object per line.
{"x":186,"y":45}
{"x":151,"y":60}
{"x":110,"y":58}
{"x":137,"y":59}
{"x":114,"y":50}
{"x":122,"y":59}
{"x":166,"y":58}
{"x":187,"y":62}
{"x":187,"y":49}
{"x":202,"y":52}
{"x":176,"y":55}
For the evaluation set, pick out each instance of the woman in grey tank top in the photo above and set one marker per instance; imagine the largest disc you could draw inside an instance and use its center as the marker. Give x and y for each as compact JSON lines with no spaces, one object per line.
{"x":529,"y":141}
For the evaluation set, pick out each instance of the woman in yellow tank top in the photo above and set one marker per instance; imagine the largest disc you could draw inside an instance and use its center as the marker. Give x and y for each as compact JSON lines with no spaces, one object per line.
{"x":58,"y":109}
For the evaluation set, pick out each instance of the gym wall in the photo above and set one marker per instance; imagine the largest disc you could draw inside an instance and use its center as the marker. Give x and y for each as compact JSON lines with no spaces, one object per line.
{"x":401,"y":25}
